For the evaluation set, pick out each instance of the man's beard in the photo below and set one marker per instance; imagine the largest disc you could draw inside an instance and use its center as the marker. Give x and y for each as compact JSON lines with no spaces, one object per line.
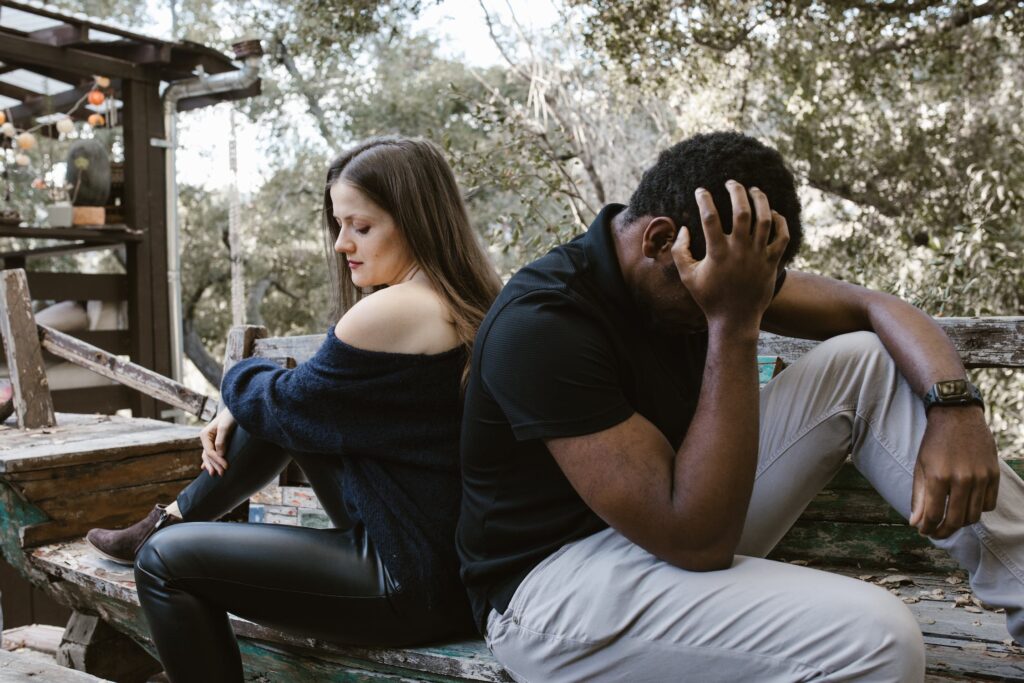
{"x":657,"y":314}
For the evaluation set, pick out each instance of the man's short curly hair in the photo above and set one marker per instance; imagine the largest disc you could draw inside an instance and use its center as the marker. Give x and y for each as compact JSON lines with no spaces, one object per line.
{"x":708,"y":160}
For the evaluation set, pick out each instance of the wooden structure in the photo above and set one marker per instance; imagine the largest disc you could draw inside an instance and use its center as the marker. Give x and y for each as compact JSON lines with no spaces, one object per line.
{"x":847,"y":529}
{"x":47,"y":63}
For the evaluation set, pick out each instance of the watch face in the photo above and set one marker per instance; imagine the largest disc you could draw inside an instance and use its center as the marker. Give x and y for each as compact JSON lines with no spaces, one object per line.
{"x":955,"y":388}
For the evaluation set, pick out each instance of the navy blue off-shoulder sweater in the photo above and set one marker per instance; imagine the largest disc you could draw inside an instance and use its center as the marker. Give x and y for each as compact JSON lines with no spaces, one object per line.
{"x":394,"y":418}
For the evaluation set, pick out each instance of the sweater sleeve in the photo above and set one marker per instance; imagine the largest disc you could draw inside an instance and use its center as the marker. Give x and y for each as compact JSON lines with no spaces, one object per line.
{"x":306,"y":408}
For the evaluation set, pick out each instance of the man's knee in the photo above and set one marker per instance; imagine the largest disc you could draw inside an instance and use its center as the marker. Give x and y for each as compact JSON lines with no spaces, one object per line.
{"x":889,"y":644}
{"x":856,"y":346}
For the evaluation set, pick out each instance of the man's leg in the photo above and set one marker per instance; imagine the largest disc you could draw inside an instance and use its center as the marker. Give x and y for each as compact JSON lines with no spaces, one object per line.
{"x":846,"y":396}
{"x":604,"y":609}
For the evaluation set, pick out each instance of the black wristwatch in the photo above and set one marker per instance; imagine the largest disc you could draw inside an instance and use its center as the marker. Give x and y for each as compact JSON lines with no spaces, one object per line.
{"x":954,"y":392}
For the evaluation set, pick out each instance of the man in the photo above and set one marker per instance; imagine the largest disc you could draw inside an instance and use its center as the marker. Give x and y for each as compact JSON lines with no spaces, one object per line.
{"x":624,"y":476}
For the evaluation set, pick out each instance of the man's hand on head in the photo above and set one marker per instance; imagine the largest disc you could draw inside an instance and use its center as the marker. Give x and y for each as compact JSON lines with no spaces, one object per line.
{"x":734,"y":282}
{"x":957,"y":473}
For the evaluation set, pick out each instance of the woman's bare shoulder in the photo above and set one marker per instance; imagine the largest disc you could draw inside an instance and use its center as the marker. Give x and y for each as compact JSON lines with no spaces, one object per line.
{"x":405,"y":318}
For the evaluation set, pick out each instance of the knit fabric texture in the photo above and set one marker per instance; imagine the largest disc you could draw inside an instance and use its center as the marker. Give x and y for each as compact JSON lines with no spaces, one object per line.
{"x":395,"y":420}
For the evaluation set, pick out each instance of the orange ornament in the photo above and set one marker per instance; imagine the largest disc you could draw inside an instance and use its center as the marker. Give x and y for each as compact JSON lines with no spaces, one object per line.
{"x":3,"y":118}
{"x":96,"y":97}
{"x":96,"y":120}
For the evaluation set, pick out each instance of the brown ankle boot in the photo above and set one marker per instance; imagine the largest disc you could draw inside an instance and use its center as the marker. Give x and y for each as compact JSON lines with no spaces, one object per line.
{"x":121,"y":545}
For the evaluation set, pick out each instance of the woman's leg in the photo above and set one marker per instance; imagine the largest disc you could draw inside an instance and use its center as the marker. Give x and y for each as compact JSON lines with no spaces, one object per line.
{"x":252,"y":463}
{"x":327,"y":584}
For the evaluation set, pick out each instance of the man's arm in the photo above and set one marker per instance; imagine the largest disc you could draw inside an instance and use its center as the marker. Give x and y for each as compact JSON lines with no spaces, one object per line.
{"x":957,"y":475}
{"x":688,"y":507}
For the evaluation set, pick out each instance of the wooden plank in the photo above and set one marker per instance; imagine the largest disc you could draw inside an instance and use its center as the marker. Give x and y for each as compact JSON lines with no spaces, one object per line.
{"x":32,"y":401}
{"x":73,"y":428}
{"x":981,"y":342}
{"x":72,"y":63}
{"x":301,"y":348}
{"x":114,"y":233}
{"x":836,"y":505}
{"x":100,"y":449}
{"x":861,"y":545}
{"x":39,"y":485}
{"x":77,"y":286}
{"x":30,"y":253}
{"x":73,"y":516}
{"x":129,"y":374}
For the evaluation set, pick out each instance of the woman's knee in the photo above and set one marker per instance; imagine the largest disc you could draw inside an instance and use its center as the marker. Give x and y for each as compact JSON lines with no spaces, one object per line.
{"x":158,"y":556}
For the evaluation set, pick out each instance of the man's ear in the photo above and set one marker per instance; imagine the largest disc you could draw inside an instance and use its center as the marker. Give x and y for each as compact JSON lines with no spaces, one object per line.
{"x":658,"y":237}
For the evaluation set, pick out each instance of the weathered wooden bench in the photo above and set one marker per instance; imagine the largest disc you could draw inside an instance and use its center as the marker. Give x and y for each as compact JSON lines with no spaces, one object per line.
{"x":58,"y":481}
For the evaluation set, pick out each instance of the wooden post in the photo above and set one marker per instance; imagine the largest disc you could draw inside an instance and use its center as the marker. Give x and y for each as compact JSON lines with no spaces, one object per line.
{"x":90,"y":645}
{"x":145,"y":210}
{"x":32,"y":401}
{"x":240,"y":342}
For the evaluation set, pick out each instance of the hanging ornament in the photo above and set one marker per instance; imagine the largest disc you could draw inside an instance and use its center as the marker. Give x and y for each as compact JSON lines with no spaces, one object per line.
{"x":96,"y":97}
{"x":26,"y":141}
{"x":8,"y":129}
{"x":39,"y":184}
{"x":3,"y":117}
{"x":22,"y":160}
{"x":96,"y":120}
{"x":65,"y":125}
{"x":102,"y":81}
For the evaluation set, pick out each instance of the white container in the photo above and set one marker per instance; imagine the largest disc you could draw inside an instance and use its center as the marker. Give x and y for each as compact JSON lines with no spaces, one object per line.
{"x":59,"y":215}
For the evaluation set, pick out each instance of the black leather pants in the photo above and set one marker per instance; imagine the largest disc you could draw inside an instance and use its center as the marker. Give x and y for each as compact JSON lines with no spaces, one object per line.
{"x":321,"y":583}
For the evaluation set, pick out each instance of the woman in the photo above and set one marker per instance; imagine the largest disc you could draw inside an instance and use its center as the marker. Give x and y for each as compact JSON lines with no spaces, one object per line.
{"x":372,"y":419}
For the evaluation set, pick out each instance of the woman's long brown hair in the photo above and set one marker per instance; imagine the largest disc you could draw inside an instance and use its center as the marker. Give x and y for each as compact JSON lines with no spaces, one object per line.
{"x":410,"y":179}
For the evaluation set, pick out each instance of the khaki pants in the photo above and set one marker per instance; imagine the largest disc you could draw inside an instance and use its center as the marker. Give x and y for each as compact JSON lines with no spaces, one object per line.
{"x":604,"y":609}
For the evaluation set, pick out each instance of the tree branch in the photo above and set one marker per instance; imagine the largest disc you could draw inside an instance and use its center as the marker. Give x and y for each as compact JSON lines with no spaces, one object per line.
{"x":842,"y":190}
{"x":284,"y":57}
{"x":953,"y":22}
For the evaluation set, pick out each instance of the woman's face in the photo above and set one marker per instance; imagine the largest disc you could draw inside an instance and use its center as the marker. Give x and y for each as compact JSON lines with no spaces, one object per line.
{"x":372,"y":244}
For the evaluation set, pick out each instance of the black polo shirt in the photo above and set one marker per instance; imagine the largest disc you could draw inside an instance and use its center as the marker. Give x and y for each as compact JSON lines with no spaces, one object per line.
{"x":562,"y":352}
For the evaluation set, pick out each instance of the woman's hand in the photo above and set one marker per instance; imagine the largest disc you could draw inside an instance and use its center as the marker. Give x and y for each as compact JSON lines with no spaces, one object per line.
{"x":215,"y":437}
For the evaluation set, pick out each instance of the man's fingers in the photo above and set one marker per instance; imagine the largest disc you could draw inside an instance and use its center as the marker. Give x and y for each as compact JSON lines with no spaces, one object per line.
{"x":934,"y":504}
{"x":741,"y":219}
{"x":956,"y":509}
{"x":710,"y":222}
{"x":917,"y":496}
{"x":681,"y":254}
{"x":778,"y":245}
{"x":991,"y":493}
{"x":976,"y":505}
{"x":763,"y":217}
